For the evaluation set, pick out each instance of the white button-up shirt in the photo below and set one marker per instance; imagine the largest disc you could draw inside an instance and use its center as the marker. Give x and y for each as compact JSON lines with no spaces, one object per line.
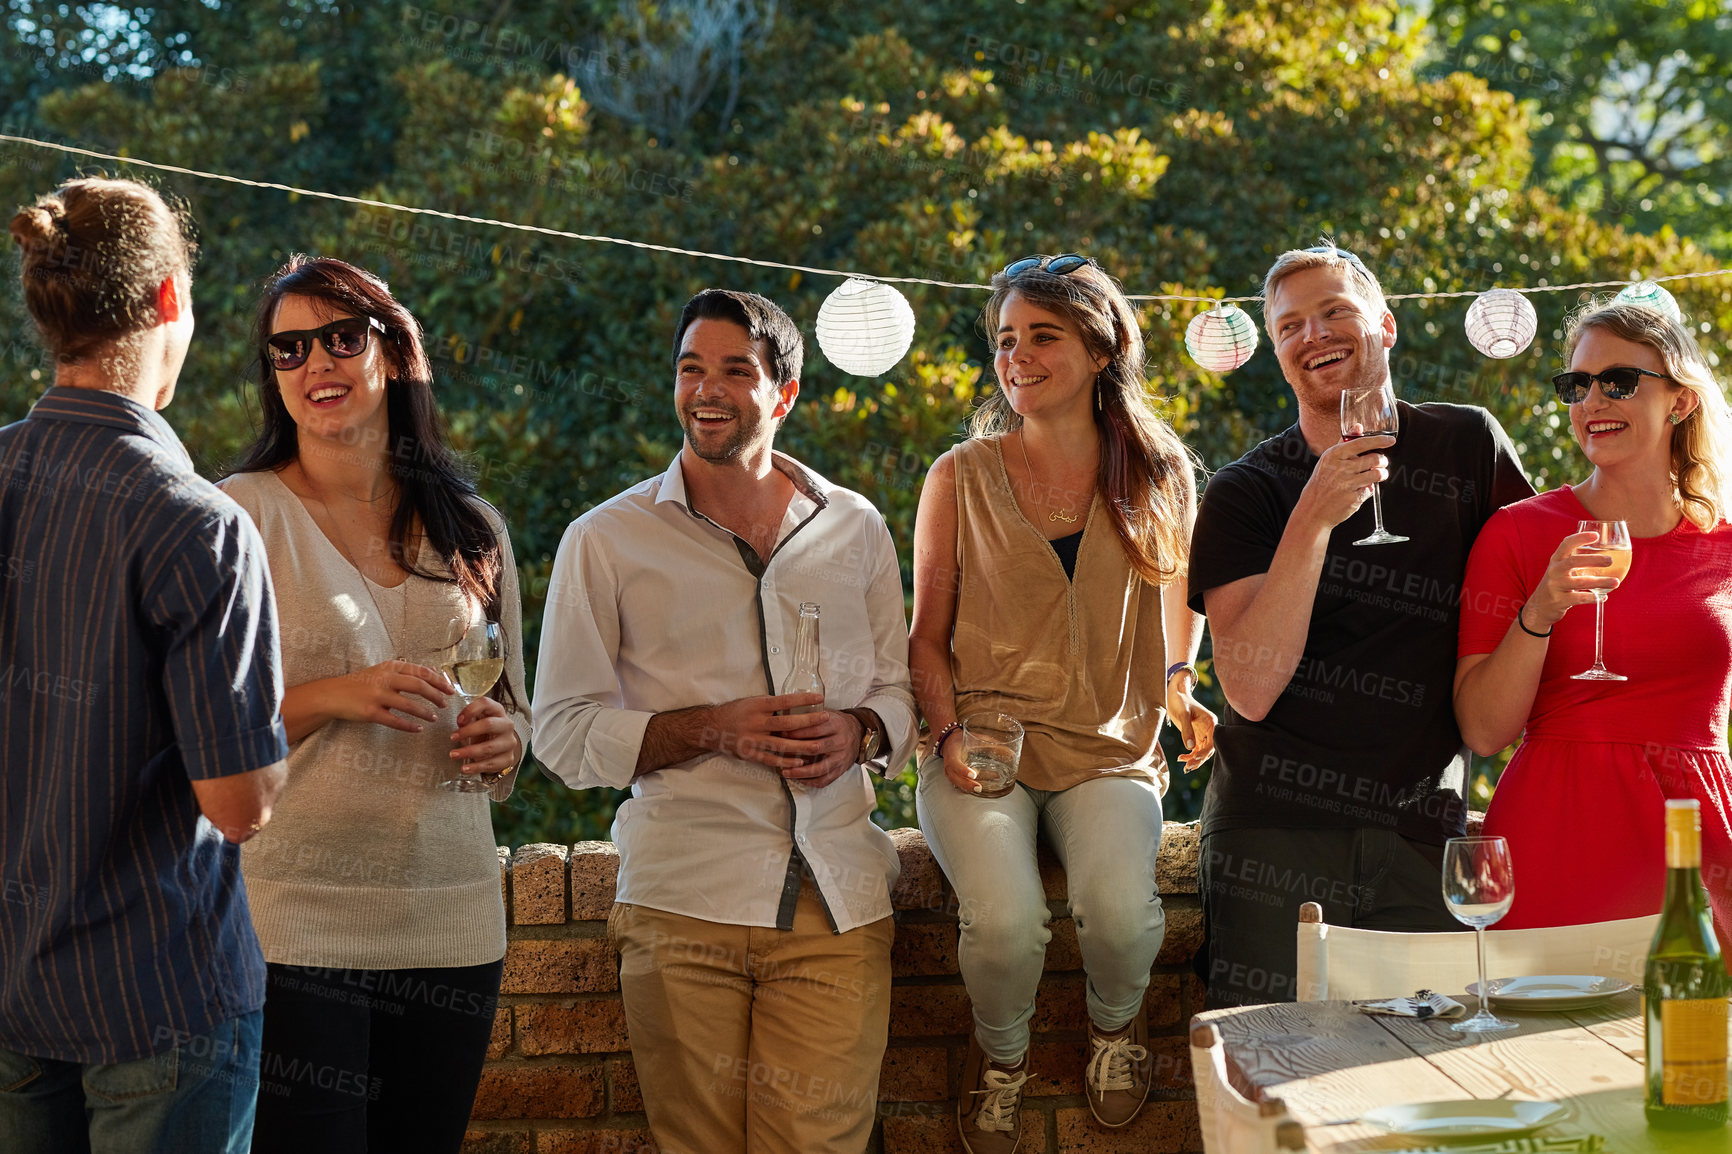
{"x":653,"y":607}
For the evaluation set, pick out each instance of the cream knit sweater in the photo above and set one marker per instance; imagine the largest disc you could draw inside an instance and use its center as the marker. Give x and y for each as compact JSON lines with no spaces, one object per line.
{"x":365,"y":864}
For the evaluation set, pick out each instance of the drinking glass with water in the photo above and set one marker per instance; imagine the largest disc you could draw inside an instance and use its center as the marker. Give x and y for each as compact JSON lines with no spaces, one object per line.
{"x":992,"y":746}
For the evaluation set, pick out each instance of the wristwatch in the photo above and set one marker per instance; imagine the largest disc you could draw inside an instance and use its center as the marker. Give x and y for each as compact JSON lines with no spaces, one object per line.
{"x":871,"y":736}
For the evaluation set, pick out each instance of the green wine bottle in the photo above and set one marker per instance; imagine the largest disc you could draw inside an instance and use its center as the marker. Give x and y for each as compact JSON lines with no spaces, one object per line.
{"x":1684,"y":991}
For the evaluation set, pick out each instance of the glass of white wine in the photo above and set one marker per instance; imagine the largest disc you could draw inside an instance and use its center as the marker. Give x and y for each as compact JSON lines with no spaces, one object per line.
{"x":474,"y":665}
{"x":1614,"y":542}
{"x":1479,"y":888}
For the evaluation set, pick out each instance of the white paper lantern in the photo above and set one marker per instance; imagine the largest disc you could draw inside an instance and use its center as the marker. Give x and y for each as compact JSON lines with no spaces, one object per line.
{"x":1650,"y":295}
{"x":1501,"y":323}
{"x":865,"y":327}
{"x":1221,"y":339}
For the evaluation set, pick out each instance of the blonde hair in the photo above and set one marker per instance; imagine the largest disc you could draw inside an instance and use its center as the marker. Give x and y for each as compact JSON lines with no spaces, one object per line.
{"x":1325,"y":255}
{"x":1701,"y":441}
{"x":1146,"y":473}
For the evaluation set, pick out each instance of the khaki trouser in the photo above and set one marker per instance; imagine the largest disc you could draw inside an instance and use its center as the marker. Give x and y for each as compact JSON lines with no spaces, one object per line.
{"x":755,"y":1039}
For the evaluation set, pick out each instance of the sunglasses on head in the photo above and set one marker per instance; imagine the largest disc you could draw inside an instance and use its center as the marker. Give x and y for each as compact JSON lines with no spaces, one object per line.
{"x":1617,"y":384}
{"x":1058,"y":266}
{"x":344,"y":337}
{"x":1338,"y":251}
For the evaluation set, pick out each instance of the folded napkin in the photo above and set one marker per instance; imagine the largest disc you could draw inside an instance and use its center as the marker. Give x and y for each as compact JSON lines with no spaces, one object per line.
{"x":1425,"y":1004}
{"x":1587,"y":1144}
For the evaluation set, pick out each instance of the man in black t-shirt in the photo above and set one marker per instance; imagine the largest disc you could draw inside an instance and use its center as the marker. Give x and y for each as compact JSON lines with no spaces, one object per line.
{"x":1341,"y":771}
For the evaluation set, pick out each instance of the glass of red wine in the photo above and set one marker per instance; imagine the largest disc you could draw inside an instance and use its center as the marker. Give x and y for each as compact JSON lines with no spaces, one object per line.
{"x":1370,"y":412}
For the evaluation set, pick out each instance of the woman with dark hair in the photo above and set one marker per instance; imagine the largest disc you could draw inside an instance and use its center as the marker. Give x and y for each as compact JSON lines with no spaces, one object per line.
{"x":1049,"y":585}
{"x":375,"y":892}
{"x":1582,"y":802}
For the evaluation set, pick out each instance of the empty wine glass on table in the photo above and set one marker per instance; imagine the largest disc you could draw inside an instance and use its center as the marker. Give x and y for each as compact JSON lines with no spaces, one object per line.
{"x":1614,"y":542}
{"x":474,"y":665}
{"x":1478,"y":888}
{"x":1370,"y":412}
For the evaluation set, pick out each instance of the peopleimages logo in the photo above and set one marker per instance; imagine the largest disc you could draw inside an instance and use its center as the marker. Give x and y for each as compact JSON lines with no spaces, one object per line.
{"x":451,"y":246}
{"x":480,"y":38}
{"x":572,"y":172}
{"x":72,"y":690}
{"x":1064,"y":69}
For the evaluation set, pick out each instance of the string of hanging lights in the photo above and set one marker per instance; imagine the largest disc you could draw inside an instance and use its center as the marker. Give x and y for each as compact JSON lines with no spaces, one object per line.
{"x":866,"y":326}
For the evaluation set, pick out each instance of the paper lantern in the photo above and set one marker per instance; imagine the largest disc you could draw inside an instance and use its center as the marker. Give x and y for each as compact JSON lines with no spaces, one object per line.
{"x":1221,"y":339}
{"x":865,"y":327}
{"x":1501,"y":323}
{"x":1650,"y":295}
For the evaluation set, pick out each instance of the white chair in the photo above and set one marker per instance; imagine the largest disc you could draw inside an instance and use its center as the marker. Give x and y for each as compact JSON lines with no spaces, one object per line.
{"x":1338,"y":962}
{"x":1231,"y":1122}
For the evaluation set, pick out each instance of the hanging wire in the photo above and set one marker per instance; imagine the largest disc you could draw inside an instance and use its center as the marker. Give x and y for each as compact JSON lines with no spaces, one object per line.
{"x":493,"y":222}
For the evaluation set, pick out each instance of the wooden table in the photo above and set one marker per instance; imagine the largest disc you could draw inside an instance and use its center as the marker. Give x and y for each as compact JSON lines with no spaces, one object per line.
{"x":1327,"y":1061}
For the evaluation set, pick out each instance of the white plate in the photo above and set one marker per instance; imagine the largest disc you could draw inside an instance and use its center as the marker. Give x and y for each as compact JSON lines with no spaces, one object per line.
{"x":1552,"y":991}
{"x":1452,"y":1121}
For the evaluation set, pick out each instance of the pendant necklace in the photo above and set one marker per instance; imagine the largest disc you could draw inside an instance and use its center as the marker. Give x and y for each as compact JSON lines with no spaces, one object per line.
{"x":341,"y":542}
{"x":1055,"y":515}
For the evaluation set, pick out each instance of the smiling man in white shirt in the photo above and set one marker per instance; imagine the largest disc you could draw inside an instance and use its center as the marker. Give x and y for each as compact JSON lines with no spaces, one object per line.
{"x":753,"y":917}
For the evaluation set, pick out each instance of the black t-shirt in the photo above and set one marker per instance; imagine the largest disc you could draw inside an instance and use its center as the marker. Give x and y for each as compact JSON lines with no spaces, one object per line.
{"x":1364,"y":734}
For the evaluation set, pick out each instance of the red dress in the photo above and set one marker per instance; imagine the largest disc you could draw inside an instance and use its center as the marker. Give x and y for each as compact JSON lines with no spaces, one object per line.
{"x":1583,"y":800}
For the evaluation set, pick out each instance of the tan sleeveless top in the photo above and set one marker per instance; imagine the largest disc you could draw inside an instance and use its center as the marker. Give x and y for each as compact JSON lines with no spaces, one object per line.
{"x":1080,"y":662}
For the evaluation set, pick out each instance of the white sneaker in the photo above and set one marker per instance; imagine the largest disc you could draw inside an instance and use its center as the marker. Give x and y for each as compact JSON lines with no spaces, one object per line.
{"x":989,"y":1111}
{"x":1119,"y":1072}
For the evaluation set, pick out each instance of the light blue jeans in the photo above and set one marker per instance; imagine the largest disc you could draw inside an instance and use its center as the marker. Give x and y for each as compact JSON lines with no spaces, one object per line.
{"x":1106,"y":833}
{"x":196,"y":1097}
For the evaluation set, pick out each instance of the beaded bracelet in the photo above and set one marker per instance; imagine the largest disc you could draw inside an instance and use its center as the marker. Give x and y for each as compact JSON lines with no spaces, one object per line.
{"x":943,"y":736}
{"x":1178,"y":665}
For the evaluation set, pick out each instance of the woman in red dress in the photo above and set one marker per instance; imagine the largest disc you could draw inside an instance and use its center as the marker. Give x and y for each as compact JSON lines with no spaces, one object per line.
{"x":1582,"y":802}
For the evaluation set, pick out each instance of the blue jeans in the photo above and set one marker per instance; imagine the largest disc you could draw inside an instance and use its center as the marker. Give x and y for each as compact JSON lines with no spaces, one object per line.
{"x":196,"y":1098}
{"x":1106,"y":833}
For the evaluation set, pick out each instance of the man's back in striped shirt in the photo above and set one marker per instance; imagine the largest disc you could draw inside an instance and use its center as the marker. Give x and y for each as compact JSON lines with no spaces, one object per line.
{"x":138,"y":653}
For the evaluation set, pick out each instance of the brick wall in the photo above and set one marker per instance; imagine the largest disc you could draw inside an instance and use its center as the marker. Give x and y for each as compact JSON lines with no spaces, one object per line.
{"x":559,"y":1076}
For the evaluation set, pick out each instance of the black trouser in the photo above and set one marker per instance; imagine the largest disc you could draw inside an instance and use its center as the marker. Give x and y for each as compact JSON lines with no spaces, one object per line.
{"x":372,"y":1060}
{"x":1253,"y":882}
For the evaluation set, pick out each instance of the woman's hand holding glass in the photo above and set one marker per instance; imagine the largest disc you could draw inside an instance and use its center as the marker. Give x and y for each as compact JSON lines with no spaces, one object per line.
{"x":485,"y":741}
{"x":1571,"y":578}
{"x":956,"y":765}
{"x":382,"y":694}
{"x":1193,"y":720}
{"x":474,"y":663}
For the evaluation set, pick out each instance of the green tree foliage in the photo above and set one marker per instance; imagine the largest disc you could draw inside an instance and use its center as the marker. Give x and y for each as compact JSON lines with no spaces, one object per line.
{"x":1183,"y":145}
{"x":1631,"y":101}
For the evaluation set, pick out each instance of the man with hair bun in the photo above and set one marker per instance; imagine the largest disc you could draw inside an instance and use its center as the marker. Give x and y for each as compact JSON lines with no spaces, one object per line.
{"x":139,"y":696}
{"x":1341,"y":770}
{"x":753,"y":918}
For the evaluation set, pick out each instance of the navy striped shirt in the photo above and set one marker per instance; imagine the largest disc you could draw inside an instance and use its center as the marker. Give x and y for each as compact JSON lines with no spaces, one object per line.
{"x":138,"y":653}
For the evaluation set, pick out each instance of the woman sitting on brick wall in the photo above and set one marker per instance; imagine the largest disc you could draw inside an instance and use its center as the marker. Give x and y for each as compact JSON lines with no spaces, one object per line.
{"x":375,"y":891}
{"x":1049,"y":563}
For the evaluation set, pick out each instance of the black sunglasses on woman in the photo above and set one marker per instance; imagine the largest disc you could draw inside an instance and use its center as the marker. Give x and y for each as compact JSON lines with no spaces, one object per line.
{"x":344,"y":337}
{"x":1617,"y":384}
